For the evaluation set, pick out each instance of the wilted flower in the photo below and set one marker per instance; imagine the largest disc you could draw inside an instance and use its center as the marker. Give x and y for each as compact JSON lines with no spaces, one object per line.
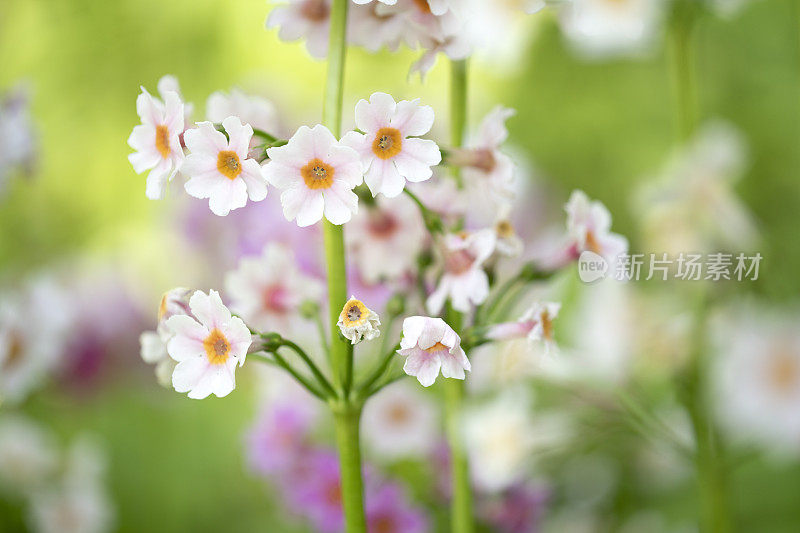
{"x":309,"y":19}
{"x":317,"y":176}
{"x":357,"y":322}
{"x":207,"y":346}
{"x":268,"y":290}
{"x":400,"y":421}
{"x":219,"y":169}
{"x":463,"y":279}
{"x":389,"y":149}
{"x":429,"y":344}
{"x":157,"y":140}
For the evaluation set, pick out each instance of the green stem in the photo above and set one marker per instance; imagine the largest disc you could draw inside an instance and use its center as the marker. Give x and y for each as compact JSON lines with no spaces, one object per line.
{"x":311,"y":366}
{"x":346,"y":413}
{"x":299,"y":377}
{"x":682,"y":68}
{"x":380,"y":369}
{"x":348,"y":442}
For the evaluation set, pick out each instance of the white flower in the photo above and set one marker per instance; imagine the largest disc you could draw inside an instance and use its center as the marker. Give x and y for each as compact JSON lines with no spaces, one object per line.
{"x":536,"y":323}
{"x":454,"y":45}
{"x":400,"y":421}
{"x":508,"y":243}
{"x":258,"y":112}
{"x":33,"y":325}
{"x":756,"y":378}
{"x":373,"y":26}
{"x":389,"y":150}
{"x":600,"y":28}
{"x":27,"y":454}
{"x":268,"y":290}
{"x":303,"y":18}
{"x":219,"y":169}
{"x":386,"y":239}
{"x":589,"y":227}
{"x":168,"y":83}
{"x":174,"y":302}
{"x":207,"y":346}
{"x":153,"y":349}
{"x":429,"y":344}
{"x":486,"y":168}
{"x":357,"y":322}
{"x":463,"y":280}
{"x":317,"y":176}
{"x":156,"y":140}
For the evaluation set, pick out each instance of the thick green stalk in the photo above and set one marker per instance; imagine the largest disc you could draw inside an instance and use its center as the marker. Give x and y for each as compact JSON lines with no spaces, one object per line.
{"x":346,"y":412}
{"x":682,"y":69}
{"x":461,"y":517}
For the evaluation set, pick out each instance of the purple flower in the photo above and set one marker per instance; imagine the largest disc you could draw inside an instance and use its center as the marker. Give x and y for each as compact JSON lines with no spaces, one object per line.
{"x":277,"y":444}
{"x":518,"y":509}
{"x":388,"y":511}
{"x":316,"y":491}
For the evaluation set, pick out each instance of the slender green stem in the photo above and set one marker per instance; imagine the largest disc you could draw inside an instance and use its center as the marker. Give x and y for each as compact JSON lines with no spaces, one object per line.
{"x":323,"y":335}
{"x":433,"y":222}
{"x":682,"y":67}
{"x":311,"y":366}
{"x":380,"y":369}
{"x":346,"y":412}
{"x":299,"y":377}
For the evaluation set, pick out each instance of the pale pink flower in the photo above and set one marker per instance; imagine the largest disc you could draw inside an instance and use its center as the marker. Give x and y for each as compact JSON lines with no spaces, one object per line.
{"x":219,"y":169}
{"x":157,"y":140}
{"x":168,"y":83}
{"x":463,"y":280}
{"x":254,"y":110}
{"x":207,"y":346}
{"x":536,"y":323}
{"x":317,"y":176}
{"x":486,"y":168}
{"x":429,"y":344}
{"x":589,"y":227}
{"x":389,"y":150}
{"x":374,"y":25}
{"x":309,"y":19}
{"x":268,"y":290}
{"x":386,"y":239}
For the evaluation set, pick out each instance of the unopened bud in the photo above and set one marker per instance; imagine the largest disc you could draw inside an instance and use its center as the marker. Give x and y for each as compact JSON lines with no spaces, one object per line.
{"x":309,"y":309}
{"x":396,"y":305}
{"x":271,"y":341}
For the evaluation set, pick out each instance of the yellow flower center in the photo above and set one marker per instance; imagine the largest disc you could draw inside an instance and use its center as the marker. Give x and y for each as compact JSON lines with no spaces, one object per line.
{"x":547,"y":325}
{"x":15,"y":349}
{"x":387,"y":143}
{"x":591,"y":242}
{"x":423,"y":6}
{"x":317,"y":174}
{"x":784,"y":372}
{"x":354,"y":313}
{"x":228,"y":164}
{"x":504,"y":229}
{"x":162,"y":140}
{"x":218,"y":349}
{"x":438,"y":347}
{"x":315,"y":10}
{"x":399,"y":413}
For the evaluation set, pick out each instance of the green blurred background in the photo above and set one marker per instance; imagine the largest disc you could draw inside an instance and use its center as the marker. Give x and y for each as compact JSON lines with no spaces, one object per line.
{"x":176,"y":464}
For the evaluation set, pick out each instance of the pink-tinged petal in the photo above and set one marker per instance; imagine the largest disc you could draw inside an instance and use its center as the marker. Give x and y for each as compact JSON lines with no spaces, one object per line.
{"x":254,"y":178}
{"x":374,"y":176}
{"x":482,"y":245}
{"x":452,"y":366}
{"x":198,"y":164}
{"x":290,"y":155}
{"x":239,"y":135}
{"x":311,"y":209}
{"x":173,"y":113}
{"x":224,"y":380}
{"x":358,"y":142}
{"x":424,"y":366}
{"x":300,"y":146}
{"x":205,"y":139}
{"x":393,"y":182}
{"x":144,"y":160}
{"x":205,"y":384}
{"x":375,"y":114}
{"x":143,"y":137}
{"x":280,"y":175}
{"x":510,"y":330}
{"x":347,"y":164}
{"x":182,"y":348}
{"x":202,"y":185}
{"x":492,"y":131}
{"x":150,"y":110}
{"x":220,"y":314}
{"x":322,"y":140}
{"x":450,"y":338}
{"x":414,"y":162}
{"x":240,"y":338}
{"x":186,"y":326}
{"x":188,"y":373}
{"x":413,"y":119}
{"x":205,"y":310}
{"x":433,"y":332}
{"x":157,"y":180}
{"x":292,"y":199}
{"x":340,"y":203}
{"x":478,"y":286}
{"x":412,"y":329}
{"x":436,"y":300}
{"x":227,"y":196}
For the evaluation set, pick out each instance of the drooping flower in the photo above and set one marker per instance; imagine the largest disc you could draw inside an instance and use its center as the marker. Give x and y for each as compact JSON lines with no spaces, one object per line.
{"x":589,"y":227}
{"x":463,"y":281}
{"x":268,"y":290}
{"x":27,"y":454}
{"x":602,"y":28}
{"x":400,"y":421}
{"x":309,"y":19}
{"x":486,"y":168}
{"x":317,"y":176}
{"x":536,"y":323}
{"x":429,"y":344}
{"x":174,"y":302}
{"x":358,"y":322}
{"x":219,"y":169}
{"x":385,"y":239}
{"x":374,"y":25}
{"x":157,"y":140}
{"x":207,"y":346}
{"x":390,"y":151}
